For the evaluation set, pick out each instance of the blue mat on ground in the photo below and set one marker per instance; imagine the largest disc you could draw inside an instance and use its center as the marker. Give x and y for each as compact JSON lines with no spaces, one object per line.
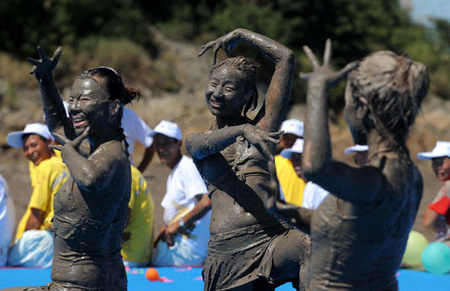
{"x":189,"y":279}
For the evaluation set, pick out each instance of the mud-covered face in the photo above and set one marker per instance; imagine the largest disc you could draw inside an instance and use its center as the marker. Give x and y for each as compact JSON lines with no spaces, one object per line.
{"x":36,"y":149}
{"x":225,"y":92}
{"x":355,"y":123}
{"x":88,"y":105}
{"x":441,"y":167}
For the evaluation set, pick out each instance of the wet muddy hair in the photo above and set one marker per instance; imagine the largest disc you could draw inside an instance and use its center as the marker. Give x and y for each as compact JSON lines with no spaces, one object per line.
{"x":114,"y":85}
{"x":115,"y":89}
{"x":393,"y":87}
{"x":249,"y":69}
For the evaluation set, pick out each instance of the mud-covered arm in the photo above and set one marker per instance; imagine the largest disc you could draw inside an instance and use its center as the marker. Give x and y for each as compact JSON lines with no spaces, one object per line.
{"x":54,"y":110}
{"x":96,"y":172}
{"x":279,"y":90}
{"x":202,"y":145}
{"x":358,"y":185}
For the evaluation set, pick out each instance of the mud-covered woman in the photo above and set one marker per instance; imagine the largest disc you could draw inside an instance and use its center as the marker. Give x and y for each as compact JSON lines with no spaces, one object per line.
{"x":91,"y":207}
{"x":249,"y":249}
{"x":359,"y":233}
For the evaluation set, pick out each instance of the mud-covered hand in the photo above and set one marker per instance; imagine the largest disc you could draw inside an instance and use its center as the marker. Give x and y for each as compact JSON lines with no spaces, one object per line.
{"x":171,"y":232}
{"x":260,"y":139}
{"x":226,"y":42}
{"x":325,"y":72}
{"x":64,"y":141}
{"x":44,"y":66}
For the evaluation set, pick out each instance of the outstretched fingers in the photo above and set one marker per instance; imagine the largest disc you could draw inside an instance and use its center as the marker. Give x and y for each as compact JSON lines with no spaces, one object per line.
{"x":57,"y":54}
{"x":206,"y":47}
{"x":311,"y":56}
{"x":342,"y":74}
{"x":327,"y":54}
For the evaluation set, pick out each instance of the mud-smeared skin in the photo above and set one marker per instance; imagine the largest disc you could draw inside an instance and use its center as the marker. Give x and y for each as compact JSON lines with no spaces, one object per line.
{"x":360,"y":232}
{"x":235,"y":157}
{"x":90,"y":209}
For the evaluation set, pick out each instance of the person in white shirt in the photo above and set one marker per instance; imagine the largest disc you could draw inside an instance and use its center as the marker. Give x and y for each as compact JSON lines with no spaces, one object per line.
{"x":7,"y":221}
{"x":313,"y":194}
{"x":183,"y":239}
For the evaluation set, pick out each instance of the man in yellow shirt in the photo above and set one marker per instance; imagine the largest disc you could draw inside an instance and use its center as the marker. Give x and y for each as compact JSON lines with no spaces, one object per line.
{"x":34,"y":244}
{"x":292,"y":187}
{"x":138,"y":234}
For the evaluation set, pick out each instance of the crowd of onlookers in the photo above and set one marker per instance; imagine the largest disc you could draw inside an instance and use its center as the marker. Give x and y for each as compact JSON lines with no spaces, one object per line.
{"x":183,"y":238}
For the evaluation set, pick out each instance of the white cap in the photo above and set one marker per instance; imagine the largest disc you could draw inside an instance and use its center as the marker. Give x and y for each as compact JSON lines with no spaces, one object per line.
{"x":293,"y":126}
{"x":356,"y":148}
{"x":167,"y":128}
{"x":14,"y":139}
{"x":442,"y":149}
{"x":297,"y":148}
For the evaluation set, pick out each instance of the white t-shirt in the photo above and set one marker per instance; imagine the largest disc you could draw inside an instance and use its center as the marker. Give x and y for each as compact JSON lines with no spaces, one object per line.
{"x":135,"y":129}
{"x":313,"y":195}
{"x":183,"y":184}
{"x":7,"y":221}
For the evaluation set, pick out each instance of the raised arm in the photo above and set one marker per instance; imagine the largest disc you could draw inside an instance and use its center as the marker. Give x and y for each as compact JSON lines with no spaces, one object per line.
{"x":54,"y":110}
{"x":358,"y":185}
{"x":279,"y":90}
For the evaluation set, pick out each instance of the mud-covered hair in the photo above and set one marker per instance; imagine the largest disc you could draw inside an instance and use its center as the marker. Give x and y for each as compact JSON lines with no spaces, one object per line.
{"x":114,"y":85}
{"x":393,"y":87}
{"x":115,"y":89}
{"x":249,"y":69}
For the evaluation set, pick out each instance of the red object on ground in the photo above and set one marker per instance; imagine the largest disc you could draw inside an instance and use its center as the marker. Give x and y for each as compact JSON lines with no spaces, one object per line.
{"x":152,"y":274}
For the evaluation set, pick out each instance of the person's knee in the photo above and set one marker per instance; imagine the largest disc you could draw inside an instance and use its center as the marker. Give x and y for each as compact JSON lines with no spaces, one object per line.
{"x":34,"y":249}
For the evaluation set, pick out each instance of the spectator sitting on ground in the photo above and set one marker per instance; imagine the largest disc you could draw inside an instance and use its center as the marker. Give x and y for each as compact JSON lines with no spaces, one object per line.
{"x":361,"y":153}
{"x":7,"y":221}
{"x":183,"y":239}
{"x":137,"y":236}
{"x":292,"y":187}
{"x":313,"y":194}
{"x":437,"y":214}
{"x":34,"y":244}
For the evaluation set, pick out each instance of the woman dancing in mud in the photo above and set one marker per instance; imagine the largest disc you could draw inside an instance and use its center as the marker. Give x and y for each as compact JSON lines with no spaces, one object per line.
{"x":359,"y":233}
{"x":91,"y":207}
{"x":249,"y":249}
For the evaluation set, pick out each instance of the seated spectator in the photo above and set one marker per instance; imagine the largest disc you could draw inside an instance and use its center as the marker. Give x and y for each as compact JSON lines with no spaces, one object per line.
{"x":7,"y":221}
{"x":313,"y":194}
{"x":437,"y":215}
{"x":183,"y":239}
{"x":292,"y":187}
{"x":34,"y":245}
{"x":138,"y":234}
{"x":361,"y":153}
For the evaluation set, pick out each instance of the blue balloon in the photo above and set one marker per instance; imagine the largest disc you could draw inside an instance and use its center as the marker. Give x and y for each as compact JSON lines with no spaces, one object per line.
{"x":436,"y":258}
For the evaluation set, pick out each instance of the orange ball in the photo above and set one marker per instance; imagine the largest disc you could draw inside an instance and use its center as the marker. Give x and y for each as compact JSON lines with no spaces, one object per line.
{"x":152,"y":275}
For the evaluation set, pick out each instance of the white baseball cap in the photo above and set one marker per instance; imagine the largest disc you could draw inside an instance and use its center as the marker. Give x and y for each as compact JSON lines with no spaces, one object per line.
{"x":442,"y":149}
{"x":293,"y":126}
{"x":356,"y":148}
{"x":14,"y":139}
{"x":297,"y":148}
{"x":167,"y":128}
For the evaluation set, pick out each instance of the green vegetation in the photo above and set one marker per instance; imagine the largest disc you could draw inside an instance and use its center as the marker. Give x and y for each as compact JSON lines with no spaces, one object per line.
{"x":115,"y":33}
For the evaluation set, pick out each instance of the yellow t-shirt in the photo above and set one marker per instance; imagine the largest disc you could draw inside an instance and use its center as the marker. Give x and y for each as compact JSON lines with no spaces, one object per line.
{"x":46,"y":179}
{"x":138,"y":234}
{"x":290,"y":183}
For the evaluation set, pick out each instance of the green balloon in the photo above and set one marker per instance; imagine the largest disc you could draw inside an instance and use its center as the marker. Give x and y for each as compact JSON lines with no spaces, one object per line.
{"x":436,"y":258}
{"x":414,"y":247}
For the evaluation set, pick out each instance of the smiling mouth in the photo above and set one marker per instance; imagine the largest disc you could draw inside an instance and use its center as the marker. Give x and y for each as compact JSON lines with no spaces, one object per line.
{"x":215,"y":103}
{"x":79,"y":121}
